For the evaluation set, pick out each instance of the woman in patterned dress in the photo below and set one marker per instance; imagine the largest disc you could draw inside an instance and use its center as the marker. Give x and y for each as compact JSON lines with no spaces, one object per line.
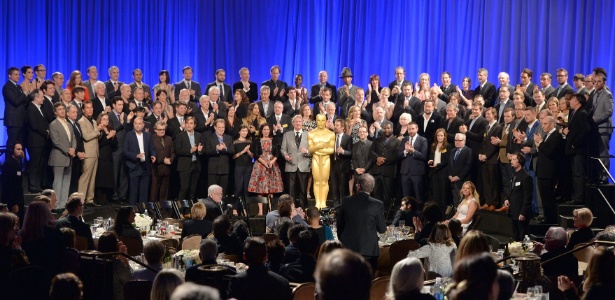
{"x":266,"y":177}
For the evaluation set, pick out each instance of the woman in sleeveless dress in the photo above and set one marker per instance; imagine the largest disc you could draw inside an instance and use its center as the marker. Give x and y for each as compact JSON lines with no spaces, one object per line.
{"x":266,"y":177}
{"x":468,"y":206}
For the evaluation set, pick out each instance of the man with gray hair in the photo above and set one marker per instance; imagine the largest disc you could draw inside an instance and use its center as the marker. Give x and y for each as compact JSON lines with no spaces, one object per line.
{"x":213,"y":202}
{"x":216,"y":103}
{"x":208,"y":252}
{"x":191,"y":291}
{"x":548,"y":145}
{"x":504,"y":80}
{"x":461,"y":161}
{"x":265,"y":106}
{"x":556,"y":239}
{"x":366,"y":215}
{"x":113,"y":84}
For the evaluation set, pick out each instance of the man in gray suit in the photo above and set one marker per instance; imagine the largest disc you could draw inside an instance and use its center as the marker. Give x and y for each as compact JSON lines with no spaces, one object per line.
{"x":63,"y":150}
{"x":92,"y":80}
{"x":137,"y":74}
{"x":545,"y":83}
{"x":601,"y":111}
{"x":295,"y":151}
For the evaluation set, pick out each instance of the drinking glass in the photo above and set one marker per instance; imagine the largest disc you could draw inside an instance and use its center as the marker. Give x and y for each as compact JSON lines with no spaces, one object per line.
{"x":402,"y":224}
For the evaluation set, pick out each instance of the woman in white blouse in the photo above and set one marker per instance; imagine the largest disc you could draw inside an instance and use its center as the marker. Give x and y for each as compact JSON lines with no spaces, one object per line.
{"x":468,"y":205}
{"x":438,"y":169}
{"x":440,"y":251}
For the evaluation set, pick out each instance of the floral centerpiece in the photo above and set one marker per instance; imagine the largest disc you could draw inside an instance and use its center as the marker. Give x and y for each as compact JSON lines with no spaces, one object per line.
{"x":188,"y":257}
{"x":517,"y":248}
{"x":142,"y":222}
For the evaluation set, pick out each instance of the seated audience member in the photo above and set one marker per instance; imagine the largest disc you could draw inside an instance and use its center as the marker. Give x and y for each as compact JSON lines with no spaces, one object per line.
{"x":468,"y":206}
{"x":407,"y":280}
{"x":275,"y":255}
{"x":73,"y":220}
{"x":123,"y":224}
{"x":507,"y":285}
{"x":208,"y":251}
{"x":274,"y":215}
{"x":258,"y":282}
{"x":291,"y":252}
{"x":323,"y":232}
{"x":475,"y":278}
{"x":454,"y":226}
{"x":605,"y":236}
{"x":286,"y":208}
{"x":241,"y":231}
{"x":197,"y":224}
{"x":227,"y":244}
{"x":432,"y":214}
{"x":473,"y":242}
{"x":41,"y":242}
{"x":153,"y":252}
{"x":165,"y":284}
{"x":281,"y":229}
{"x":555,"y":244}
{"x":302,"y":270}
{"x":4,"y":207}
{"x":328,"y":247}
{"x":11,"y":255}
{"x":583,"y":218}
{"x":343,"y":274}
{"x":191,"y":291}
{"x":66,"y":286}
{"x":70,"y":256}
{"x":440,"y":250}
{"x":122,"y":273}
{"x":407,"y":211}
{"x":600,"y":280}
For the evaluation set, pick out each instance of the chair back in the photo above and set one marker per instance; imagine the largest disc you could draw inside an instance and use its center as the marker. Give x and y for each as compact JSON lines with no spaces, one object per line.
{"x":449,"y":212}
{"x":152,"y":209}
{"x":268,"y":237}
{"x":184,"y":207}
{"x":137,"y":289}
{"x":379,"y":288}
{"x":171,"y":243}
{"x":584,"y":255}
{"x":168,"y":209}
{"x":399,"y":249}
{"x":476,"y":219}
{"x":81,"y":243}
{"x":175,"y":222}
{"x":134,"y":246}
{"x":304,"y":291}
{"x":192,"y":242}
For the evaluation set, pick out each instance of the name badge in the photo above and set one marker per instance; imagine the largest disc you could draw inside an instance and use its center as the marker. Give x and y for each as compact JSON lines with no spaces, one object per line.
{"x":517,"y":183}
{"x":284,"y":125}
{"x":18,"y":173}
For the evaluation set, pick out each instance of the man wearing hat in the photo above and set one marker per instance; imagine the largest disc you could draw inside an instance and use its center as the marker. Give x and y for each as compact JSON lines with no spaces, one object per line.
{"x":346,"y":92}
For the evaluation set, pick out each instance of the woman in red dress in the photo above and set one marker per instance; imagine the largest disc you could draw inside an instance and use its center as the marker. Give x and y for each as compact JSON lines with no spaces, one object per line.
{"x":266,"y":177}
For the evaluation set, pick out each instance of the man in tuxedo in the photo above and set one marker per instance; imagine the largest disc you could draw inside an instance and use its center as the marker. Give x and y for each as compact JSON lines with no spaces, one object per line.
{"x":526,"y":86}
{"x":217,"y":106}
{"x":345,"y":94}
{"x":428,"y":121}
{"x":137,"y":75}
{"x":73,"y":220}
{"x":277,"y":87}
{"x":113,"y":84}
{"x":485,"y":88}
{"x":38,"y":141}
{"x":384,"y":165}
{"x":89,"y":84}
{"x":77,"y":161}
{"x":413,"y":152}
{"x":90,"y":132}
{"x":545,"y":83}
{"x":188,"y":149}
{"x":249,"y":87}
{"x":461,"y":161}
{"x":576,"y":145}
{"x":519,"y":201}
{"x":117,"y":120}
{"x":504,"y":80}
{"x":161,"y":169}
{"x":549,"y":146}
{"x":504,"y":103}
{"x":100,"y":102}
{"x":140,"y":154}
{"x":447,"y":87}
{"x":219,"y":150}
{"x":64,"y":144}
{"x":563,"y":88}
{"x":265,"y":105}
{"x":361,"y":160}
{"x":396,"y":85}
{"x":176,"y":124}
{"x":360,"y":218}
{"x":602,"y":109}
{"x":490,"y":176}
{"x":293,"y":106}
{"x":406,"y":103}
{"x":14,"y":107}
{"x":340,"y":162}
{"x":213,"y":202}
{"x":225,"y":93}
{"x":294,"y":149}
{"x":315,"y":91}
{"x":48,"y":90}
{"x":193,"y":87}
{"x":452,"y":123}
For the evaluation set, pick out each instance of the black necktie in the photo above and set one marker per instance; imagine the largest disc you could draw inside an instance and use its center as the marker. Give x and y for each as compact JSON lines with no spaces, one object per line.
{"x":297,"y":139}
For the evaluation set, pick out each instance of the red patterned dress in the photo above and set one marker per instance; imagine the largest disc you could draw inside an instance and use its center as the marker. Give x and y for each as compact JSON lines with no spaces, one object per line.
{"x":264,"y":180}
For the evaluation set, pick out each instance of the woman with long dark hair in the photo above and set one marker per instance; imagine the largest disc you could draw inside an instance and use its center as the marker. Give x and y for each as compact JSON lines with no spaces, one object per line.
{"x":108,"y":242}
{"x":241,"y":101}
{"x":123,"y":223}
{"x":438,"y":169}
{"x":107,"y":143}
{"x":42,"y":242}
{"x":253,"y":120}
{"x":266,"y":177}
{"x":76,"y":79}
{"x":243,"y":161}
{"x":164,"y":84}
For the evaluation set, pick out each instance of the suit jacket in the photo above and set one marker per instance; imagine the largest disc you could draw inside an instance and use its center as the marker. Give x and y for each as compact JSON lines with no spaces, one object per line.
{"x":47,"y":109}
{"x":88,"y":85}
{"x":173,"y":127}
{"x":60,"y":144}
{"x":521,"y":194}
{"x":38,"y":128}
{"x":111,"y":92}
{"x":549,"y":155}
{"x":361,"y":155}
{"x":118,"y":126}
{"x":446,"y":92}
{"x":195,"y":86}
{"x":415,"y":107}
{"x":182,"y":150}
{"x":489,"y":149}
{"x":413,"y":163}
{"x":218,"y":161}
{"x":146,"y":89}
{"x":90,"y":134}
{"x":509,"y":104}
{"x":298,"y":160}
{"x":461,"y":166}
{"x":488,"y":92}
{"x":563,"y":90}
{"x":476,"y":134}
{"x":602,"y":111}
{"x":388,"y":150}
{"x":287,"y":125}
{"x":269,"y":112}
{"x":259,"y":283}
{"x":576,"y":140}
{"x":98,"y":106}
{"x":451,"y":127}
{"x":511,"y":89}
{"x":359,"y":219}
{"x":226,"y":95}
{"x":79,"y":109}
{"x":342,"y":99}
{"x":318,"y":111}
{"x":315,"y":90}
{"x":504,"y":140}
{"x":213,"y":209}
{"x":196,"y":226}
{"x":252,"y":93}
{"x":433,"y":124}
{"x":529,"y":95}
{"x":291,"y":110}
{"x":222,"y":109}
{"x":131,"y":149}
{"x":78,"y":135}
{"x":162,"y":152}
{"x":199,"y":117}
{"x":272,"y":85}
{"x":341,"y":162}
{"x":14,"y":105}
{"x":81,"y":229}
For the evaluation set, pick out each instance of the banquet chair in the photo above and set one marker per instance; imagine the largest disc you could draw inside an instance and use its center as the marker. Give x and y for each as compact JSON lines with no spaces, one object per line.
{"x":399,"y":250}
{"x":304,"y":291}
{"x":168,"y":209}
{"x":137,"y":289}
{"x":81,"y":243}
{"x":184,"y":207}
{"x":152,"y":209}
{"x":584,"y":255}
{"x":379,"y":288}
{"x":192,"y":242}
{"x":133,"y":246}
{"x":173,"y":244}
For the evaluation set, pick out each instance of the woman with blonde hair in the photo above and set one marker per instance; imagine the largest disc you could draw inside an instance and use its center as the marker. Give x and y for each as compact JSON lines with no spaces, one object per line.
{"x":468,"y":206}
{"x":423,"y":89}
{"x":196,"y":224}
{"x":165,"y":284}
{"x":582,"y":218}
{"x":353,"y":122}
{"x":440,"y":250}
{"x":473,"y":242}
{"x":553,"y":106}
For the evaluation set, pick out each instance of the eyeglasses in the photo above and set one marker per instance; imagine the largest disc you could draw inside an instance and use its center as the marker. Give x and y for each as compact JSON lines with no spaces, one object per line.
{"x":458,"y":140}
{"x":159,"y":129}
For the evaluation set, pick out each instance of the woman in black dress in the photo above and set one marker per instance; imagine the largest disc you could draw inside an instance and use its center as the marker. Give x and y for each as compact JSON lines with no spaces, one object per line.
{"x":243,"y":161}
{"x":107,"y":143}
{"x":438,"y":169}
{"x":240,"y":103}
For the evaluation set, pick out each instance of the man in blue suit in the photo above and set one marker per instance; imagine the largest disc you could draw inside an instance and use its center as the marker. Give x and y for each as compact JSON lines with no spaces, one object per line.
{"x":140,"y":153}
{"x":412,"y":152}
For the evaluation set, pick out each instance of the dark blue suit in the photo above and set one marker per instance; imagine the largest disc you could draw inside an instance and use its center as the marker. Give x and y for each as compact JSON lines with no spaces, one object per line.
{"x":138,"y":171}
{"x":460,"y":166}
{"x":412,"y":168}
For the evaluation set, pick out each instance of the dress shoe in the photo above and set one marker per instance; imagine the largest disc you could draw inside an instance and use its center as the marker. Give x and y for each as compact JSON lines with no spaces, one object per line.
{"x":490,"y":207}
{"x":502,"y":209}
{"x":91,"y":204}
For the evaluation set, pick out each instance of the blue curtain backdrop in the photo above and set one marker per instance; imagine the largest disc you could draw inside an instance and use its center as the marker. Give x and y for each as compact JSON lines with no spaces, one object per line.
{"x":306,"y":36}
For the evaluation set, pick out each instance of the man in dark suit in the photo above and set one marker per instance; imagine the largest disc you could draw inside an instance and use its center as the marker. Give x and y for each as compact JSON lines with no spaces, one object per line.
{"x":474,"y":130}
{"x":12,"y":189}
{"x":48,"y":90}
{"x":226,"y":95}
{"x":265,"y":105}
{"x":193,"y":87}
{"x":406,"y":103}
{"x":161,"y":169}
{"x":563,"y":88}
{"x":576,"y":145}
{"x":281,"y":124}
{"x":323,"y":101}
{"x":461,"y":160}
{"x":302,"y":269}
{"x":77,"y":161}
{"x":92,"y":80}
{"x":258,"y":282}
{"x":249,"y":87}
{"x":519,"y":202}
{"x":545,"y":84}
{"x":396,"y":86}
{"x":504,"y":80}
{"x":137,"y":74}
{"x":216,"y":105}
{"x":74,"y":206}
{"x":452,"y":123}
{"x":485,"y":88}
{"x":99,"y":100}
{"x":58,"y":82}
{"x":176,"y":124}
{"x":490,"y":176}
{"x":277,"y":87}
{"x":293,"y":105}
{"x":447,"y":87}
{"x":428,"y":122}
{"x":527,"y":86}
{"x":139,"y":99}
{"x":340,"y":162}
{"x":14,"y":107}
{"x":113,"y":84}
{"x":117,"y":119}
{"x":213,"y":202}
{"x":360,"y":218}
{"x":549,"y":147}
{"x":384,"y":165}
{"x":504,"y":103}
{"x":38,"y":141}
{"x":140,"y":154}
{"x":601,"y":122}
{"x":219,"y":150}
{"x":201,"y":275}
{"x":315,"y":94}
{"x":188,"y":148}
{"x":413,"y":152}
{"x":361,"y":159}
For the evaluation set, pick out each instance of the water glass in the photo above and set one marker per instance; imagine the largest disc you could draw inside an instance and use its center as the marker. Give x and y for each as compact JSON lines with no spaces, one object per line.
{"x":532,"y":293}
{"x":402,"y":224}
